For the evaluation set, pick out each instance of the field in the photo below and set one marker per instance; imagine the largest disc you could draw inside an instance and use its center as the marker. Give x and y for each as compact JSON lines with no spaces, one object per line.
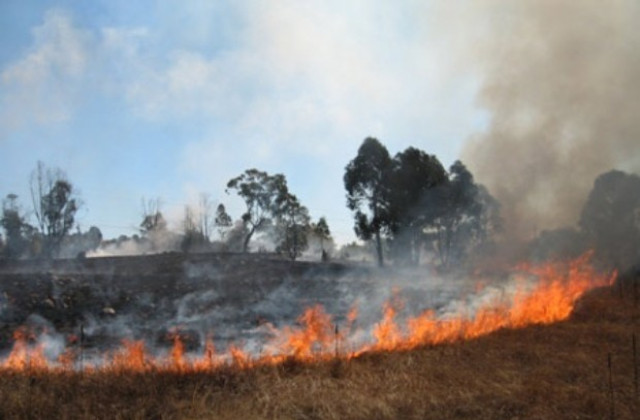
{"x":583,"y":367}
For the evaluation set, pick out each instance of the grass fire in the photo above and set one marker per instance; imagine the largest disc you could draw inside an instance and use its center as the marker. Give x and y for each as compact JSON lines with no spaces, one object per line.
{"x":541,"y":318}
{"x":320,"y":210}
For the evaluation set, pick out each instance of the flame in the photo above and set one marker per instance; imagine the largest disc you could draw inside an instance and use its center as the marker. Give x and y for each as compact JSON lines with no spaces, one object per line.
{"x":314,"y":336}
{"x":24,"y":356}
{"x":544,"y":294}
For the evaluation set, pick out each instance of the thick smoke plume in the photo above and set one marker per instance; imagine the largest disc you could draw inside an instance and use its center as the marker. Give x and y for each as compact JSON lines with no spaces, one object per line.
{"x":560,"y":81}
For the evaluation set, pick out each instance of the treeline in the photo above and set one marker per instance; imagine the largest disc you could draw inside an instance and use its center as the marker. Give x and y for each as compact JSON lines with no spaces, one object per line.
{"x":49,"y":229}
{"x":609,"y":224}
{"x":55,"y":203}
{"x":410,"y":204}
{"x":406,"y":207}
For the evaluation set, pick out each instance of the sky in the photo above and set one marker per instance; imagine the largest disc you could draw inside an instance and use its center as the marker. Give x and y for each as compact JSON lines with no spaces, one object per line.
{"x":163,"y":99}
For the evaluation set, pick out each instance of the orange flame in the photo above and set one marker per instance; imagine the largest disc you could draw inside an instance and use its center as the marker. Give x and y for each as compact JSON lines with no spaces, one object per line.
{"x":549,"y":299}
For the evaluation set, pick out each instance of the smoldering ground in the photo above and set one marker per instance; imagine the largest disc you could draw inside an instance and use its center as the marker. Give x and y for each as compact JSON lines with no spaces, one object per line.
{"x":227,"y":298}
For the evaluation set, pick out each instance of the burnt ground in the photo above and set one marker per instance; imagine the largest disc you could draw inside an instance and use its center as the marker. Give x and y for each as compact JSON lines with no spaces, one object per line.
{"x":220,"y":296}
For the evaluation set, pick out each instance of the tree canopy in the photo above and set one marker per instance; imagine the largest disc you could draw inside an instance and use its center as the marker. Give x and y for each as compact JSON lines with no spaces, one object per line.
{"x":263,"y":195}
{"x":55,"y":203}
{"x":414,"y":202}
{"x":293,"y":227}
{"x":14,"y":223}
{"x":414,"y":183}
{"x":366,"y":180}
{"x":611,"y":218}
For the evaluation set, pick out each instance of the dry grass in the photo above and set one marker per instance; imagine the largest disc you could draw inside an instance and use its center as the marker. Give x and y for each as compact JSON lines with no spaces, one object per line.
{"x":542,"y":372}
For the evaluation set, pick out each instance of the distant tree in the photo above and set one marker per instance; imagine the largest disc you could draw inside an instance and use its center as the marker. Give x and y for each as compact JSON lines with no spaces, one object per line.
{"x":466,"y":215}
{"x":263,"y":195}
{"x":193,"y":236}
{"x":152,"y":218}
{"x":15,"y":226}
{"x":611,"y":218}
{"x":154,"y":226}
{"x":205,"y":217}
{"x":293,"y":226}
{"x":222,"y":221}
{"x":93,"y":238}
{"x":321,"y":231}
{"x":366,"y":180}
{"x":55,"y":204}
{"x":79,"y":243}
{"x":414,"y":202}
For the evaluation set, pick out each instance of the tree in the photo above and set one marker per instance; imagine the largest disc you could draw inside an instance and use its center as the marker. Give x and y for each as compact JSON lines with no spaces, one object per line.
{"x":222,"y":221}
{"x":466,"y":215}
{"x":153,"y":226}
{"x":15,"y":226}
{"x":321,"y":231}
{"x":235,"y":236}
{"x":413,"y":200}
{"x":193,"y":236}
{"x":55,"y":204}
{"x":293,"y":226}
{"x":366,"y":180}
{"x":611,"y":218}
{"x":152,"y":218}
{"x":263,"y":195}
{"x":78,"y":244}
{"x":204,"y":216}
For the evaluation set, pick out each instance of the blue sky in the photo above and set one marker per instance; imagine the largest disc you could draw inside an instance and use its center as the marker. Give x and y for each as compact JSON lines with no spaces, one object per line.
{"x":172,"y":99}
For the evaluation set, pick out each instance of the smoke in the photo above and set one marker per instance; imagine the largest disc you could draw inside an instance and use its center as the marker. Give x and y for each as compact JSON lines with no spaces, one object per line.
{"x":236,"y":299}
{"x":153,"y":243}
{"x":560,"y":81}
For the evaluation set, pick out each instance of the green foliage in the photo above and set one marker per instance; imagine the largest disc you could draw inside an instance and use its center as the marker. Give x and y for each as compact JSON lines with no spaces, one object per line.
{"x":466,"y":212}
{"x":18,"y":231}
{"x":366,"y":180}
{"x":414,"y":202}
{"x":263,"y":195}
{"x":611,"y":218}
{"x":321,"y":231}
{"x":152,"y":219}
{"x":55,"y":204}
{"x":414,"y":184}
{"x":293,"y":227}
{"x":222,"y":221}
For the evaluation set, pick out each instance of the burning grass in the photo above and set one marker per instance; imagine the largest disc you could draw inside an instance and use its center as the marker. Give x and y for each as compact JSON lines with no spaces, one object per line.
{"x":424,"y":368}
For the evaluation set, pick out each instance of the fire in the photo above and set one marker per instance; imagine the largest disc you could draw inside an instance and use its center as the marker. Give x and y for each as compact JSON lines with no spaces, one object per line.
{"x":544,"y":294}
{"x":314,"y":337}
{"x":23,"y":356}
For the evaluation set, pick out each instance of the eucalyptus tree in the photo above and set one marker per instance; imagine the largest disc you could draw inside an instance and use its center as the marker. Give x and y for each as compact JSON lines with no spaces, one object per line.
{"x":366,"y":180}
{"x":55,"y":203}
{"x":293,"y":225}
{"x":263,"y":195}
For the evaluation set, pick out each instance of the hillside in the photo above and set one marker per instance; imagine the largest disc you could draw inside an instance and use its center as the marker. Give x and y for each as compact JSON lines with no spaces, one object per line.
{"x":560,"y":370}
{"x":557,"y":371}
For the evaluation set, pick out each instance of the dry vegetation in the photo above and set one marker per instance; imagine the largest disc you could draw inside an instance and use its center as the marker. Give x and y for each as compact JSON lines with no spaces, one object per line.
{"x":541,"y":372}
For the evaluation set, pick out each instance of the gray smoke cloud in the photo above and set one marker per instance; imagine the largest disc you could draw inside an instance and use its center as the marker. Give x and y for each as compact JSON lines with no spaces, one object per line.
{"x":560,"y":82}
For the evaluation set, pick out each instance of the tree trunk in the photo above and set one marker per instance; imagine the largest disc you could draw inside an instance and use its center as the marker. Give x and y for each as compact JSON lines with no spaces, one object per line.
{"x":295,"y":243}
{"x":379,"y":249}
{"x":245,"y":245}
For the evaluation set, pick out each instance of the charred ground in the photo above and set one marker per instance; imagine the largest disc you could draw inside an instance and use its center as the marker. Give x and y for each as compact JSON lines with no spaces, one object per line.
{"x":540,"y":372}
{"x":143,"y":296}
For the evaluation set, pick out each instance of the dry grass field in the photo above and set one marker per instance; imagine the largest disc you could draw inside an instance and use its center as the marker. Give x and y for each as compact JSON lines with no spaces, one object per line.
{"x":558,"y":371}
